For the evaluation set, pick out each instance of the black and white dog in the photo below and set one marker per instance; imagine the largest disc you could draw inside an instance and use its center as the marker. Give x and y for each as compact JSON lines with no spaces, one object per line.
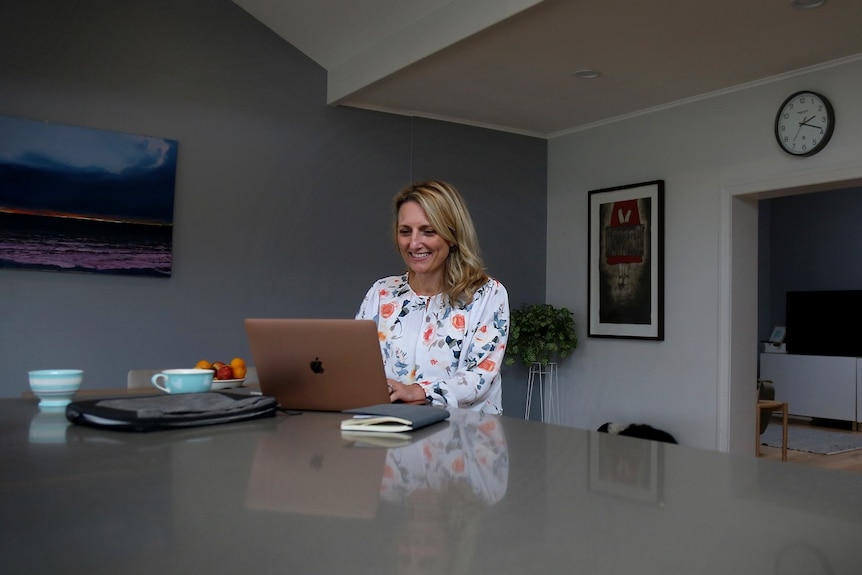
{"x":640,"y":430}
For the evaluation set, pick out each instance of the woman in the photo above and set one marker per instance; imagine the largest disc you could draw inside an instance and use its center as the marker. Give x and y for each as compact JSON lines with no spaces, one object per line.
{"x":443,"y":324}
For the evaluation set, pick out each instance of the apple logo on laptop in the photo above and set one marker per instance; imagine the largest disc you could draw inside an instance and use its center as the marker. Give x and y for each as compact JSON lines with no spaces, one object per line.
{"x":316,"y":365}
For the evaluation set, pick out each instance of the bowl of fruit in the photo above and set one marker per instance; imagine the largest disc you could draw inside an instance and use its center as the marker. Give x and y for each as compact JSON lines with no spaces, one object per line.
{"x":225,"y":375}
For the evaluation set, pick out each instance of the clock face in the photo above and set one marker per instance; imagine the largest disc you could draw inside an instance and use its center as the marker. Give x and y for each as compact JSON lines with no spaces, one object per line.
{"x":804,"y":123}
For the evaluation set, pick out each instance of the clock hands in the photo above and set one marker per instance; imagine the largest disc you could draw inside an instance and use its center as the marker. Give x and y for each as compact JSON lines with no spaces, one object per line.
{"x":799,"y":129}
{"x":805,"y":123}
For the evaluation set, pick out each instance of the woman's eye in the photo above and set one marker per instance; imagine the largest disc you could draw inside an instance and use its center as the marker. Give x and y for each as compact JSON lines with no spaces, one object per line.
{"x":429,"y":232}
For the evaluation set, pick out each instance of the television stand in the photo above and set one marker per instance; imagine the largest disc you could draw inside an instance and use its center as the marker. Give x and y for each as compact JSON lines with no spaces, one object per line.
{"x":816,"y":386}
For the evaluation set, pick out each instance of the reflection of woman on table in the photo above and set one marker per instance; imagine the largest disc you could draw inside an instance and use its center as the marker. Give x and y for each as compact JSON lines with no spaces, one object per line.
{"x":443,"y":324}
{"x":446,"y":482}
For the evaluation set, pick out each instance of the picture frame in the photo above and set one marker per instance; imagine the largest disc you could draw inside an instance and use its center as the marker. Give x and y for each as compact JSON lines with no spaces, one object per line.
{"x":627,"y":469}
{"x":778,"y":334}
{"x":626,"y":261}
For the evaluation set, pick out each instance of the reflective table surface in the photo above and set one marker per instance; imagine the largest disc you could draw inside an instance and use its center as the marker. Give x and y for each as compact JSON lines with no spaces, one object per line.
{"x":477,"y":494}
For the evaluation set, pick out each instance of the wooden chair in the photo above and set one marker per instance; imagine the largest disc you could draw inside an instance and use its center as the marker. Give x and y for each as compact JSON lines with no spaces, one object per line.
{"x":769,"y":406}
{"x":141,"y":378}
{"x":766,"y":404}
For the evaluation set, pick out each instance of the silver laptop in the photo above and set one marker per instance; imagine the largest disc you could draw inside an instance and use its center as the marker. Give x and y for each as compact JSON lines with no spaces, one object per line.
{"x":318,"y":364}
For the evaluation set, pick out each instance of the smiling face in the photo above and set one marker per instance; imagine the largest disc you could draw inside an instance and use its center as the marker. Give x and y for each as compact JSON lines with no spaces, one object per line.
{"x":422,"y":248}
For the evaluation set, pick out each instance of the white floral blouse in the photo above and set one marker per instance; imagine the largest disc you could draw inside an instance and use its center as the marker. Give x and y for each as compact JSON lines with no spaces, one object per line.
{"x":454,"y":353}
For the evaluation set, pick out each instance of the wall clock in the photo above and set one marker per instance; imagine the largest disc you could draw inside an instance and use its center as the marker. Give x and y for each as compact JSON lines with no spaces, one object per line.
{"x":804,"y":123}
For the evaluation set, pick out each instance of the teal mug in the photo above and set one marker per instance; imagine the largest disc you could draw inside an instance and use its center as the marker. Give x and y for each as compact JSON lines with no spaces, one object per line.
{"x":184,"y":380}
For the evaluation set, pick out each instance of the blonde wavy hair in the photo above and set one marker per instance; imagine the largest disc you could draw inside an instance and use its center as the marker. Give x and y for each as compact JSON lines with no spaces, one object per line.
{"x":446,"y":211}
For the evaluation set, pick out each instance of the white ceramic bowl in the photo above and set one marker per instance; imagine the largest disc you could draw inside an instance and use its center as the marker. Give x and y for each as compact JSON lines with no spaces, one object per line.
{"x":55,"y":387}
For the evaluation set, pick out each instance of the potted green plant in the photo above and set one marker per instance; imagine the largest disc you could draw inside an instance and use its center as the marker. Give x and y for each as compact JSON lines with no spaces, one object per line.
{"x":540,"y":333}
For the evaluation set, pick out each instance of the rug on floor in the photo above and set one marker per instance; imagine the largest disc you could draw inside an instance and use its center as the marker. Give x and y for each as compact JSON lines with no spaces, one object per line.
{"x":812,"y":440}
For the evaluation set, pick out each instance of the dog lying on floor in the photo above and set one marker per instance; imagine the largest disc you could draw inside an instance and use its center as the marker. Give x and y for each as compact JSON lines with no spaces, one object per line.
{"x":640,"y":430}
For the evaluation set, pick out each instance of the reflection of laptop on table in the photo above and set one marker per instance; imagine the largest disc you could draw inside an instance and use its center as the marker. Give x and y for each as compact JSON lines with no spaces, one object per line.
{"x":318,"y":364}
{"x":309,"y":469}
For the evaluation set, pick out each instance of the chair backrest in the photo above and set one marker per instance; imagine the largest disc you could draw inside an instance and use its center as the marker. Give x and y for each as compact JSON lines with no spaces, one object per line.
{"x":140,"y":378}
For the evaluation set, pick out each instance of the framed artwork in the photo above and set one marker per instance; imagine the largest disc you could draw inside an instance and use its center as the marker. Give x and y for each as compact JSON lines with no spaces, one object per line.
{"x":85,"y":200}
{"x":778,"y":333}
{"x":626,"y":268}
{"x":626,"y":467}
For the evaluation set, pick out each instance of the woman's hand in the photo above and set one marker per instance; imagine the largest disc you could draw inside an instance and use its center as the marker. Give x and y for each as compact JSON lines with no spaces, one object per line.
{"x":412,"y":393}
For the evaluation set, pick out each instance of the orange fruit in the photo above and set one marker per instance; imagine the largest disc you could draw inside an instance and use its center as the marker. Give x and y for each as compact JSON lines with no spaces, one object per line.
{"x":203,"y":364}
{"x":239,"y":368}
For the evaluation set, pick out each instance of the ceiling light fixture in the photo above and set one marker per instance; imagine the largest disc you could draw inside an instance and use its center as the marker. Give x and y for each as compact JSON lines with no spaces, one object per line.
{"x":805,"y":4}
{"x":587,"y":74}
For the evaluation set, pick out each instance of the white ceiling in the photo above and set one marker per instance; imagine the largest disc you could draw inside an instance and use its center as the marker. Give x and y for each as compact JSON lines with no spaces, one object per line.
{"x":508,"y":64}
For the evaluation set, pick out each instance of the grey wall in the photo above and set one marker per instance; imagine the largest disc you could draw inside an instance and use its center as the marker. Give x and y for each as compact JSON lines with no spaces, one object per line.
{"x":808,"y":242}
{"x":282,"y":203}
{"x":697,"y":383}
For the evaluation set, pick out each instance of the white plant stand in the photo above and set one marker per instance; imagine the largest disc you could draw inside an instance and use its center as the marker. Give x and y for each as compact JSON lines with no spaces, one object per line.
{"x":544,"y":378}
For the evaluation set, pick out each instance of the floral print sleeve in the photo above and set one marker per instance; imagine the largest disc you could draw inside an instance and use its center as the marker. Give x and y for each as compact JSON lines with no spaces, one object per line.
{"x":453,"y":352}
{"x":471,"y":453}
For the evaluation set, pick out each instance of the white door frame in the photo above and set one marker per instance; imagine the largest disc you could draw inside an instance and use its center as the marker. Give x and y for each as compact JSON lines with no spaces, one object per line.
{"x":737,"y":336}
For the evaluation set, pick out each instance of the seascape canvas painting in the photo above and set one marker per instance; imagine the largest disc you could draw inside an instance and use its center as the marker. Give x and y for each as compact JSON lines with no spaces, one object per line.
{"x":85,"y":200}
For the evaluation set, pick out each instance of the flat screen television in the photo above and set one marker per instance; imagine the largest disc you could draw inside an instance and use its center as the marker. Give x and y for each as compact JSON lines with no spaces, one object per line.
{"x":824,"y":323}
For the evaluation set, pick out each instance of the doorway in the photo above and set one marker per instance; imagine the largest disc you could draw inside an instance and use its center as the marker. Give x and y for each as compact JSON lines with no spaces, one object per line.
{"x":738,"y":294}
